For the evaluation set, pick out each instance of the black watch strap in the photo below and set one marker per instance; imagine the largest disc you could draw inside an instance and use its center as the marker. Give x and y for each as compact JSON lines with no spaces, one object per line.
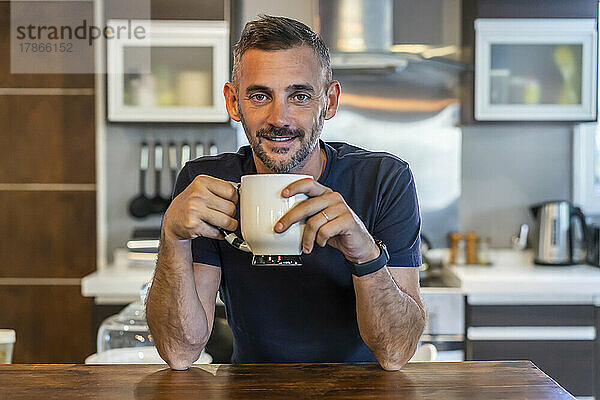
{"x":371,"y":266}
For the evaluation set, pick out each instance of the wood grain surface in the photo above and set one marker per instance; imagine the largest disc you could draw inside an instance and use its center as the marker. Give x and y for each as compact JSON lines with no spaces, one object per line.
{"x":47,"y":234}
{"x":466,"y":380}
{"x":54,"y":80}
{"x":47,"y":139}
{"x":52,"y":323}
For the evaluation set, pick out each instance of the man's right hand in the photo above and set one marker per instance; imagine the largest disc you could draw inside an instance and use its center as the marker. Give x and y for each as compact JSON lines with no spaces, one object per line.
{"x":206,"y":204}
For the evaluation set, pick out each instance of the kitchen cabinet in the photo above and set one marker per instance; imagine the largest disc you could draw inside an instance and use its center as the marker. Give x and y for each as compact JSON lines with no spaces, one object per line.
{"x":47,"y":203}
{"x":10,"y":80}
{"x":518,"y":310}
{"x":586,"y":170}
{"x":47,"y":138}
{"x":47,"y":234}
{"x":51,"y":322}
{"x":445,"y":323}
{"x":175,"y":71}
{"x":472,"y":10}
{"x":560,"y":339}
{"x":535,"y":69}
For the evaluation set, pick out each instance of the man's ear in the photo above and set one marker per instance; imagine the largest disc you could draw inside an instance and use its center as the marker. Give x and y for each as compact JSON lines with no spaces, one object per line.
{"x":231,"y":101}
{"x":333,"y":99}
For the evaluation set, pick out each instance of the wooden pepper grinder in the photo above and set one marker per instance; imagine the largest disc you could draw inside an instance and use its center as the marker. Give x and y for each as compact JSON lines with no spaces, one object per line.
{"x":454,"y":238}
{"x":471,"y":248}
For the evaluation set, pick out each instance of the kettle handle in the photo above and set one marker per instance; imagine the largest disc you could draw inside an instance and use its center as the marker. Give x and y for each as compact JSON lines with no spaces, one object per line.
{"x":578,"y":213}
{"x":231,"y":237}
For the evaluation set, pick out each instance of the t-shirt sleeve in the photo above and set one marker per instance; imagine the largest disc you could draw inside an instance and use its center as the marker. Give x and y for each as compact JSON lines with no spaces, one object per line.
{"x":398,"y":222}
{"x":204,"y":250}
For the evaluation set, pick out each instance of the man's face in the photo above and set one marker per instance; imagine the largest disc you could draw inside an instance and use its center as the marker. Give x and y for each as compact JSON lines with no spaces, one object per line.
{"x":282,"y":102}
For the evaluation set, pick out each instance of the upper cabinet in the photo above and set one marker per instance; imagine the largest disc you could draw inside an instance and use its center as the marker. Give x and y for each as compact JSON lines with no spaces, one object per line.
{"x":535,"y":69}
{"x":171,"y":71}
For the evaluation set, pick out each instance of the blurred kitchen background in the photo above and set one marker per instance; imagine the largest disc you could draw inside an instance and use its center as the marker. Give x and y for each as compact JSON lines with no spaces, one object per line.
{"x":493,"y":104}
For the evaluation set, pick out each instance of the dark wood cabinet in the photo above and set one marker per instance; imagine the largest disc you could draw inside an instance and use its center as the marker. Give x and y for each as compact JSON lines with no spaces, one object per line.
{"x":47,"y":202}
{"x":47,"y":234}
{"x":55,"y":80}
{"x":51,"y":321}
{"x":571,"y":360}
{"x":47,"y":139}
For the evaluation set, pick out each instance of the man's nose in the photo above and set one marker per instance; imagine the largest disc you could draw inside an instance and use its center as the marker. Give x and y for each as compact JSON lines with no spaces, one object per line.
{"x":278,"y":114}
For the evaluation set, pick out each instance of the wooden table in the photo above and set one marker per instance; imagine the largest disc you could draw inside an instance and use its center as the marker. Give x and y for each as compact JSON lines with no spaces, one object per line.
{"x":465,"y":380}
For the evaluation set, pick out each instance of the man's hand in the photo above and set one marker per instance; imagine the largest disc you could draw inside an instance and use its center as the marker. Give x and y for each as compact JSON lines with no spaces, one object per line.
{"x":206,"y":204}
{"x":329,"y":221}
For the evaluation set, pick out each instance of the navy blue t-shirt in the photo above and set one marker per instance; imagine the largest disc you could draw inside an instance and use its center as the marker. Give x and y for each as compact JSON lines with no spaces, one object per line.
{"x":308,"y":313}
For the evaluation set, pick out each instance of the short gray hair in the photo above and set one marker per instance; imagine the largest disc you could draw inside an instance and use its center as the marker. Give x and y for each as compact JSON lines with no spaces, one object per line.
{"x":280,"y":33}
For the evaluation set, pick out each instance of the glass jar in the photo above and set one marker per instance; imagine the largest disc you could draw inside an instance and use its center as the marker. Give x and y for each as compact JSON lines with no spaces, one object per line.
{"x":127,"y":328}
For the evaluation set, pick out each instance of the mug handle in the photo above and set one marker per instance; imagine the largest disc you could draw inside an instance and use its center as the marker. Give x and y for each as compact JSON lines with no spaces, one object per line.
{"x":231,"y":237}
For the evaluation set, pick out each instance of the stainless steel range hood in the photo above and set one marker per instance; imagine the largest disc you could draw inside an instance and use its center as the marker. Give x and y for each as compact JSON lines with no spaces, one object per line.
{"x":389,"y":34}
{"x":356,"y":26}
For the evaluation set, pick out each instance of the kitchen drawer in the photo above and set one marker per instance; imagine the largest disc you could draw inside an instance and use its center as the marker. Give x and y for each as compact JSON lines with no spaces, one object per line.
{"x":531,"y":315}
{"x":570,"y":363}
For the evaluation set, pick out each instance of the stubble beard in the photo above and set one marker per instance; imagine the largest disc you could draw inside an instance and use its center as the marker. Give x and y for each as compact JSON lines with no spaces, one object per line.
{"x":298,"y":159}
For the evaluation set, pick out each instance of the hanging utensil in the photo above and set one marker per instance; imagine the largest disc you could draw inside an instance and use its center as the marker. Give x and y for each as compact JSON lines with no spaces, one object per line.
{"x":140,"y":205}
{"x":159,"y":203}
{"x":185,"y":154}
{"x":173,"y":165}
{"x":199,"y":149}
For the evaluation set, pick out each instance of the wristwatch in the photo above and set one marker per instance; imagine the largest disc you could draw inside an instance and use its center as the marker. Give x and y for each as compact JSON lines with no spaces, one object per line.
{"x":371,"y":266}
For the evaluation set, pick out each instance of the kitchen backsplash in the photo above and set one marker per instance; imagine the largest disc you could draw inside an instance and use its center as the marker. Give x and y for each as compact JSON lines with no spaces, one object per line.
{"x":508,"y":167}
{"x":123,"y":150}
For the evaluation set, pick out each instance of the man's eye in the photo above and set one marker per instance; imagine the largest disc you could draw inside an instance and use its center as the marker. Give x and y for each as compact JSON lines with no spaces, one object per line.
{"x":301,"y":97}
{"x":259,"y":97}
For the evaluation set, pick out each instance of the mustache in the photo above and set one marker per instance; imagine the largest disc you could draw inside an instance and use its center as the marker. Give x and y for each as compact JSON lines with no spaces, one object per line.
{"x":279,"y":132}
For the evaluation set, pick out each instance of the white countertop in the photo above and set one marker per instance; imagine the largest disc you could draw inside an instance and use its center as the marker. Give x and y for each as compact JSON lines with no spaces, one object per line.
{"x":514,"y":271}
{"x":118,"y":283}
{"x":511,"y":274}
{"x":121,"y":284}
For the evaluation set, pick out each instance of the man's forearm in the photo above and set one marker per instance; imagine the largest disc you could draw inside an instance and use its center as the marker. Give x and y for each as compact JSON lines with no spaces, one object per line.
{"x":175,"y":314}
{"x":390,"y":321}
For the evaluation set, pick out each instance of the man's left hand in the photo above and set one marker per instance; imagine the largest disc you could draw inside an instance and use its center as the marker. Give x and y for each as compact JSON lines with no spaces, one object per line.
{"x":329,"y":220}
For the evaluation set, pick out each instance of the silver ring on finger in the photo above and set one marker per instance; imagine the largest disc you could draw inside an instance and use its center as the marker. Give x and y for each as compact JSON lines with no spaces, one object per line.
{"x":325,"y":215}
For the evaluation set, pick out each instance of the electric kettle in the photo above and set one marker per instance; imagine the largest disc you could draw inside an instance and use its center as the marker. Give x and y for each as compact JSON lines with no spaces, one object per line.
{"x":560,"y":233}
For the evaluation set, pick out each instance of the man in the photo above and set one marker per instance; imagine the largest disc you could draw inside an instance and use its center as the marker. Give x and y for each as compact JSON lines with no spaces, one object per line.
{"x":349,"y":302}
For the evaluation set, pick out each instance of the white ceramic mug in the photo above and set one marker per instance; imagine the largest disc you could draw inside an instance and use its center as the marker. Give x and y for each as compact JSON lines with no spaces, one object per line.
{"x":261,"y":206}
